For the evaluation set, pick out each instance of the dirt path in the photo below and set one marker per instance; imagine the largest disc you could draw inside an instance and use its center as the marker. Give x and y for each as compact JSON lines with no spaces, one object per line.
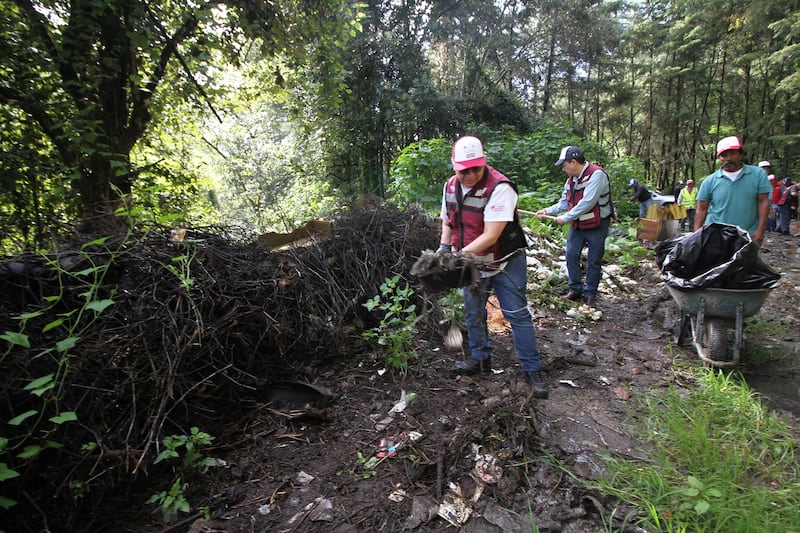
{"x":335,"y":469}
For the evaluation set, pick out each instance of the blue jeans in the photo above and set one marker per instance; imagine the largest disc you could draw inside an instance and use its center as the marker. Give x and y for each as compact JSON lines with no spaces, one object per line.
{"x":509,"y":287}
{"x":595,"y":239}
{"x":643,"y":207}
{"x":784,"y":217}
{"x":772,"y":218}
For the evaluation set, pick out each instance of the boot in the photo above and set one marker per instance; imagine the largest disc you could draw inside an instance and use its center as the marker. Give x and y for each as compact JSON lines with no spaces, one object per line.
{"x":536,"y":379}
{"x":473,"y":366}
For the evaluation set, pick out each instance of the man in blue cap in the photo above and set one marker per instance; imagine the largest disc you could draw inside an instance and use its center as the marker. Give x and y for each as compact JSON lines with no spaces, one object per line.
{"x":586,"y":198}
{"x":642,"y":195}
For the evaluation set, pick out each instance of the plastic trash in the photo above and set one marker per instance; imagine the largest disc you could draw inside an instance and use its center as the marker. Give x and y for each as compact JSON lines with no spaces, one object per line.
{"x":719,"y":256}
{"x":388,"y":446}
{"x":488,"y":469}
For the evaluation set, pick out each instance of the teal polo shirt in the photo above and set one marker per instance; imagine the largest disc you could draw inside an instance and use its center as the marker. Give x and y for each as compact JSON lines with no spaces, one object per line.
{"x":734,"y":202}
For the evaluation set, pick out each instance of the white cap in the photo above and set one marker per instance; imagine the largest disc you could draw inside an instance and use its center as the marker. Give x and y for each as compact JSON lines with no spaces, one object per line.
{"x":632,"y":183}
{"x":729,"y":143}
{"x":763,"y":164}
{"x":468,"y":153}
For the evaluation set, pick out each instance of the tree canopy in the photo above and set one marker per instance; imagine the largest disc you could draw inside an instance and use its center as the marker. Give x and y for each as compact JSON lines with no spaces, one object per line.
{"x":97,"y":97}
{"x":82,"y":80}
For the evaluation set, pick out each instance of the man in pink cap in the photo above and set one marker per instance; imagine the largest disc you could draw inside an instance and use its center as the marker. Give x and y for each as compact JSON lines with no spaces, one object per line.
{"x":687,"y":198}
{"x":479,"y":216}
{"x":735,"y":194}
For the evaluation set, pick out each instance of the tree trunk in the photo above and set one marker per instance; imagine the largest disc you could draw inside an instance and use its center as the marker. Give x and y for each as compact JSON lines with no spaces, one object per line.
{"x":548,"y":74}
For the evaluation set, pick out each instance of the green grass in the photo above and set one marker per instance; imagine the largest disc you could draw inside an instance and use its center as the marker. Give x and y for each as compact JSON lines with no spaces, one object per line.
{"x":720,"y":463}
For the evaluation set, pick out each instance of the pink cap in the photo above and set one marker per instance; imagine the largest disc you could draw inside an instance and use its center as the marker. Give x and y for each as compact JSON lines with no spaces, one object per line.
{"x":729,"y":143}
{"x":468,"y":153}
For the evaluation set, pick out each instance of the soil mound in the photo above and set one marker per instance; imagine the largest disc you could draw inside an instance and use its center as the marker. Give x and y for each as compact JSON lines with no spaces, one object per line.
{"x":312,"y":432}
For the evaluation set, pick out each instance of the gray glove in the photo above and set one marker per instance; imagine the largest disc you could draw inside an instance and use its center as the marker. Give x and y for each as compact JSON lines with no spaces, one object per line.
{"x":444,"y":248}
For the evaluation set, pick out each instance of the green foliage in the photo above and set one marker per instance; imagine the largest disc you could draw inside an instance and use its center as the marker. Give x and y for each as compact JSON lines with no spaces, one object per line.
{"x":452,"y":306}
{"x":419,"y":172}
{"x":389,"y":98}
{"x":96,"y":98}
{"x":7,"y":473}
{"x":625,"y":250}
{"x":721,"y":461}
{"x":787,"y":31}
{"x":398,"y":327}
{"x":38,"y":425}
{"x":192,"y":445}
{"x":81,"y":89}
{"x":620,"y":171}
{"x":171,"y":502}
{"x":181,"y":268}
{"x":698,"y":496}
{"x":763,"y":332}
{"x":269,"y":180}
{"x":63,"y":322}
{"x":365,"y":466}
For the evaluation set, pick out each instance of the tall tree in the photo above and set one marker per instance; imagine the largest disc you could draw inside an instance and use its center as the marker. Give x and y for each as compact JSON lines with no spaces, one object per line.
{"x":89,"y":74}
{"x":706,"y":70}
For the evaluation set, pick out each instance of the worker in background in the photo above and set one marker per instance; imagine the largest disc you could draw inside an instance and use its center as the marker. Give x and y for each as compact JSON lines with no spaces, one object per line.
{"x":687,"y":198}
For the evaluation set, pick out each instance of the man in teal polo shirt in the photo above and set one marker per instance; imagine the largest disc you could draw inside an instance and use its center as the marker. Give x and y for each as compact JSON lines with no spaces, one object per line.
{"x":735,"y":194}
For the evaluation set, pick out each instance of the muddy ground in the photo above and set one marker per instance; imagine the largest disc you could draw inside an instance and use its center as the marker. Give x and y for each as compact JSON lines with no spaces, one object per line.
{"x":479,"y":451}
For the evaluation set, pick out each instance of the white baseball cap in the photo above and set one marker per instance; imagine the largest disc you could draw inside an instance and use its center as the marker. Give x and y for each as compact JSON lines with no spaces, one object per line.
{"x":468,"y":153}
{"x":763,"y":164}
{"x":729,"y":143}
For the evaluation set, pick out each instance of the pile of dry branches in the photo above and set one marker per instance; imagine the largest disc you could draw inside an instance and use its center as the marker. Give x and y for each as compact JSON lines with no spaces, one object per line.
{"x":194,"y":326}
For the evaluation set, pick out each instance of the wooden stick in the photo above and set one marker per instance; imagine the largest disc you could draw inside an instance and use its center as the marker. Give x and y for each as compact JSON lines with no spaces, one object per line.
{"x":546,"y":217}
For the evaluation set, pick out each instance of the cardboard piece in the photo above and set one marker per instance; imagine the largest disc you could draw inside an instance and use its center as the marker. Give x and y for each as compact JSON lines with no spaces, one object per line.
{"x":656,"y":230}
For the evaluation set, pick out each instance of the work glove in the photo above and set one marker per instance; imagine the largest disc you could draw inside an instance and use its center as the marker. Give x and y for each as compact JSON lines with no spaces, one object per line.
{"x":444,"y":248}
{"x":469,"y":256}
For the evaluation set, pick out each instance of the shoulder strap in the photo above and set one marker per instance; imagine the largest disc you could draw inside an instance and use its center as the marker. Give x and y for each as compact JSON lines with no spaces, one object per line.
{"x":610,"y":197}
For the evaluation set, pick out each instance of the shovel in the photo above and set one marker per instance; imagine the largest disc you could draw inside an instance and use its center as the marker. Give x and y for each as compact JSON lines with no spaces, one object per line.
{"x":454,"y":337}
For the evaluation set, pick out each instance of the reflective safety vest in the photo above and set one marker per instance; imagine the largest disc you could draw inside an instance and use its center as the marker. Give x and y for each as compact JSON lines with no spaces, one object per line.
{"x":688,"y":199}
{"x":465,"y":215}
{"x":577,"y":188}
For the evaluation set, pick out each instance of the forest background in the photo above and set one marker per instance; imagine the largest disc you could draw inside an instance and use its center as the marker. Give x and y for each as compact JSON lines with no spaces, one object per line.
{"x":240,"y":117}
{"x":261,"y":115}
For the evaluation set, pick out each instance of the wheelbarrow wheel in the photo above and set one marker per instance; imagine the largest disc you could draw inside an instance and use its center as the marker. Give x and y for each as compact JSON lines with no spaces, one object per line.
{"x":715,"y":333}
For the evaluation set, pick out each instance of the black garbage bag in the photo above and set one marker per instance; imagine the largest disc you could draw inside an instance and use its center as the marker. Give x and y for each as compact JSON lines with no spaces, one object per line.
{"x":720,"y":256}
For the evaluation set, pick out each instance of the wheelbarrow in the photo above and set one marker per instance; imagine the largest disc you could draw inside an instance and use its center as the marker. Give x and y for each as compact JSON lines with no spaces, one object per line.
{"x":711,"y":314}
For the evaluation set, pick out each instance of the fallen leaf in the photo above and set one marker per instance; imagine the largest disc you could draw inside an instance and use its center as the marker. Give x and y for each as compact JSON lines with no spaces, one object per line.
{"x":622,"y":393}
